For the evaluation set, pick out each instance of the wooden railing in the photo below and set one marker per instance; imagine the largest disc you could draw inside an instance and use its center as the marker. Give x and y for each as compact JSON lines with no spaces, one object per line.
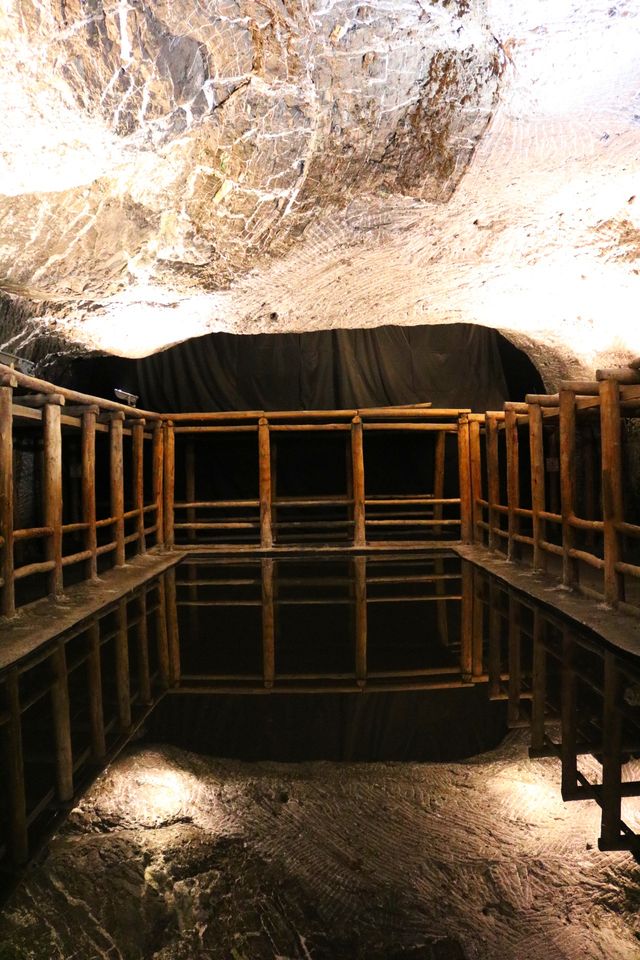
{"x":354,"y":516}
{"x":71,"y":428}
{"x":549,"y":488}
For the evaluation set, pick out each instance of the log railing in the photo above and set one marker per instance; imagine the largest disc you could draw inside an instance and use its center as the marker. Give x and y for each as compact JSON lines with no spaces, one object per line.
{"x":114,"y":480}
{"x":88,"y":456}
{"x":354,"y":516}
{"x":549,"y":488}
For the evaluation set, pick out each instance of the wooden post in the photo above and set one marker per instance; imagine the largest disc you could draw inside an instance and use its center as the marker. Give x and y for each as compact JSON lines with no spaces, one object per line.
{"x":52,"y":490}
{"x":476,"y":476}
{"x":357,"y":460}
{"x":268,"y":624}
{"x":536,"y":450}
{"x":568,"y":719}
{"x":360,"y":598}
{"x":8,"y":605}
{"x":611,"y":754}
{"x":89,"y":415}
{"x":513,"y":480}
{"x":264,"y":477}
{"x":538,"y":684}
{"x":464,"y":467}
{"x":612,"y":495}
{"x":117,"y":484}
{"x":190,"y":485}
{"x":567,"y":482}
{"x":94,"y":686}
{"x":173,"y":636}
{"x":157,"y":460}
{"x":466,"y":629}
{"x":123,"y":676}
{"x":18,"y":836}
{"x":438,"y":478}
{"x":62,"y":724}
{"x":142,"y":638}
{"x":169,"y":483}
{"x":493,"y":476}
{"x":137,"y":449}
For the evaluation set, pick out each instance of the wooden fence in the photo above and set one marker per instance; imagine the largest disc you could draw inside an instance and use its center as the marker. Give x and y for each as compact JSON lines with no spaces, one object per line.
{"x":98,"y":465}
{"x":353,"y":516}
{"x":555,"y":487}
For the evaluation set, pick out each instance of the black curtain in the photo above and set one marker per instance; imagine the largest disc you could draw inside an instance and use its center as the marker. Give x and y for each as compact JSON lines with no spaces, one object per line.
{"x":454,"y":365}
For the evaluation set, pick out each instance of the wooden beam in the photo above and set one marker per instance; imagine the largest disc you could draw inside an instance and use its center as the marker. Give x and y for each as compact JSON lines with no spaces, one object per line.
{"x":52,"y":493}
{"x":464,"y":469}
{"x":568,"y":483}
{"x":116,"y":473}
{"x":7,"y":590}
{"x":536,"y":453}
{"x":513,"y":481}
{"x":169,"y":475}
{"x":88,"y":468}
{"x":137,"y":452}
{"x":438,"y":476}
{"x":493,"y":475}
{"x":612,"y":493}
{"x":476,"y":475}
{"x":357,"y":458}
{"x":264,"y":477}
{"x":157,"y":478}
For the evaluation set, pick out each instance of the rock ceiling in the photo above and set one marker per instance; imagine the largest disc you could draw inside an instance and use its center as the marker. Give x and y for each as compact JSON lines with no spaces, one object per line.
{"x":174,"y":167}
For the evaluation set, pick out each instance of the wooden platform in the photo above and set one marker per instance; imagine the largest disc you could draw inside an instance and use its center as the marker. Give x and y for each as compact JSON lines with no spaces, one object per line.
{"x":619,"y":630}
{"x":47,"y":619}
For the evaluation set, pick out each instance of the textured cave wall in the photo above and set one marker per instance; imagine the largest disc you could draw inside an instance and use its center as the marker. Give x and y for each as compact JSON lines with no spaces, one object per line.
{"x":170,"y":169}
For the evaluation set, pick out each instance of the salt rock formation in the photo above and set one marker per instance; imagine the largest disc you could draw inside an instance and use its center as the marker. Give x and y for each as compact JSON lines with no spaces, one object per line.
{"x":173,"y":168}
{"x":174,"y":856}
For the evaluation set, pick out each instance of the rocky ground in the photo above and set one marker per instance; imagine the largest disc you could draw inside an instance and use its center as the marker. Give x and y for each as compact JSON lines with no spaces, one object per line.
{"x":174,"y":856}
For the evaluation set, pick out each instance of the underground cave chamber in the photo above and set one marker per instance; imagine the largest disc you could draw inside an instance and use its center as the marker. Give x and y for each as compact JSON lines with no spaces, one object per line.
{"x":406,"y":582}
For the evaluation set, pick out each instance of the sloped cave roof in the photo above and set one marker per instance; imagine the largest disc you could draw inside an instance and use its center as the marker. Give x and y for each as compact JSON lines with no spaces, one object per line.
{"x":178,"y":167}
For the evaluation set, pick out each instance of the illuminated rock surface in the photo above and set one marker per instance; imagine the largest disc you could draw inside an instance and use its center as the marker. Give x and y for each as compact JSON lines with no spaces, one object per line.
{"x":168,"y":169}
{"x":174,"y":857}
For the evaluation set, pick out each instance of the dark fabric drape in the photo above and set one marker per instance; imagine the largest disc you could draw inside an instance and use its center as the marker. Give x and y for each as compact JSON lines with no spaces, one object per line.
{"x":456,"y":365}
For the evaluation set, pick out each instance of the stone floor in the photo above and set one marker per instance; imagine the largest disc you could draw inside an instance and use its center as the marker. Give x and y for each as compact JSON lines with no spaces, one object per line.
{"x":174,"y":856}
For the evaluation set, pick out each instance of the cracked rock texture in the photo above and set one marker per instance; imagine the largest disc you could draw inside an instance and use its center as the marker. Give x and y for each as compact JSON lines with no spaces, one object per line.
{"x":173,"y":168}
{"x":174,"y":856}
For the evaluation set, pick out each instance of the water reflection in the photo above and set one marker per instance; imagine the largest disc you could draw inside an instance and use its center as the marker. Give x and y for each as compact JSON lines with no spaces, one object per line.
{"x":420,"y":623}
